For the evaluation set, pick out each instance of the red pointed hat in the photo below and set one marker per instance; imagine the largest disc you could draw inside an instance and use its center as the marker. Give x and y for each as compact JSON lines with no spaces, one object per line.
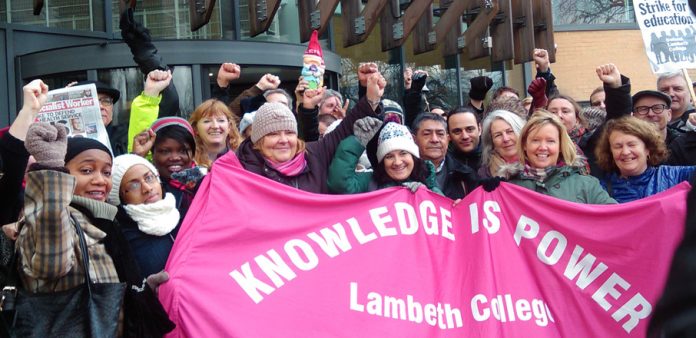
{"x":314,"y":48}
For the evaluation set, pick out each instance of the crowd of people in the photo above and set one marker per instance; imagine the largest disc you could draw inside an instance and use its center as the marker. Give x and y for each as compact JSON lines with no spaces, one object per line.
{"x":131,"y":198}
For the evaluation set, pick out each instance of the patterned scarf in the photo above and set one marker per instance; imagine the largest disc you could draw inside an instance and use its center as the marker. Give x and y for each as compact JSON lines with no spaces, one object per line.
{"x":576,"y":133}
{"x":540,"y":174}
{"x":290,"y":168}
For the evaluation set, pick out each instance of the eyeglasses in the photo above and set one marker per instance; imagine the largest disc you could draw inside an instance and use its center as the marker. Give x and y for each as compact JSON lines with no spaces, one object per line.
{"x":137,"y":184}
{"x":643,"y":110}
{"x":106,"y":101}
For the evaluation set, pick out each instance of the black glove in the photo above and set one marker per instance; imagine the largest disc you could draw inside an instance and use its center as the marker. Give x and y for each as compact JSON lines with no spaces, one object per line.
{"x":491,"y":183}
{"x":418,"y":81}
{"x":480,"y":85}
{"x":137,"y":37}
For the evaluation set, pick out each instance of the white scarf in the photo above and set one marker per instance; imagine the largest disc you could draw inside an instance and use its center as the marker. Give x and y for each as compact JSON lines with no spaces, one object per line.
{"x":157,"y":219}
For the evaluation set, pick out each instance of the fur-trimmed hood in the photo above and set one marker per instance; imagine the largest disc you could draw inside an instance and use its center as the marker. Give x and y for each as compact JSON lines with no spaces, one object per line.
{"x":513,"y":169}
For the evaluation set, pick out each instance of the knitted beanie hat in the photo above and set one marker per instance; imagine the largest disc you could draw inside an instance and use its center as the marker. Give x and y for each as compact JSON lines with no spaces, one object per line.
{"x":77,"y":145}
{"x":121,"y":165}
{"x":171,"y":121}
{"x":246,"y":121}
{"x":395,"y":136}
{"x":390,"y":107}
{"x":272,"y":117}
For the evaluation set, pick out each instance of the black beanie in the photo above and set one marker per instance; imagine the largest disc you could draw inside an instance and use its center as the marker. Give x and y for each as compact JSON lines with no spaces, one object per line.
{"x":76,"y":145}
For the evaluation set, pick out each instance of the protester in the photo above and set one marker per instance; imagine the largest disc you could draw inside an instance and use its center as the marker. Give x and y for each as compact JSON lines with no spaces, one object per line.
{"x":455,"y":179}
{"x":675,"y":86}
{"x":631,"y":151}
{"x":215,"y":131}
{"x":118,"y":134}
{"x":397,"y":155}
{"x":145,"y":108}
{"x":568,"y":110}
{"x":245,"y":126}
{"x":598,"y":98}
{"x":501,"y":131}
{"x":464,"y":127}
{"x":510,"y":104}
{"x":173,"y":149}
{"x":147,"y":216}
{"x":275,"y":152}
{"x":654,"y":107}
{"x":332,"y":104}
{"x":480,"y":85}
{"x":549,"y":164}
{"x":77,"y":173}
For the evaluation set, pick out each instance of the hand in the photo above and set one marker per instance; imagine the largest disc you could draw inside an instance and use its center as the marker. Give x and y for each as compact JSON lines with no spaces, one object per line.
{"x":47,"y":143}
{"x":227,"y":73}
{"x":541,"y":60}
{"x":491,"y":183}
{"x":268,"y":82}
{"x":157,"y":279}
{"x":480,"y":85}
{"x":537,"y":89}
{"x":365,"y":70}
{"x":610,"y":75}
{"x":342,"y":111}
{"x":419,"y":78}
{"x":302,"y":85}
{"x":35,"y":95}
{"x":692,"y":121}
{"x":312,"y":97}
{"x":365,"y":129}
{"x":70,"y":84}
{"x":143,"y":142}
{"x":408,"y":73}
{"x":157,"y":80}
{"x":413,"y":186}
{"x":457,"y":201}
{"x":375,"y":87}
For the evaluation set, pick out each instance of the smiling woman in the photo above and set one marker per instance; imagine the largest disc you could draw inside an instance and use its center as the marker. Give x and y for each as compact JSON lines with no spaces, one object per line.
{"x":631,"y":151}
{"x":549,"y":164}
{"x":215,"y":131}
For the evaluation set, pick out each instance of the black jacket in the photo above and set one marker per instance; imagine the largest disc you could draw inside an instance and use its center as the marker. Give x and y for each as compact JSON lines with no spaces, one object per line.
{"x":15,"y":162}
{"x":460,"y":179}
{"x":471,"y":159}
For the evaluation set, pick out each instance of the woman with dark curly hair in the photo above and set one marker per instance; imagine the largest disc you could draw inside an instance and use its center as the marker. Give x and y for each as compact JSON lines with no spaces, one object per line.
{"x":631,"y":151}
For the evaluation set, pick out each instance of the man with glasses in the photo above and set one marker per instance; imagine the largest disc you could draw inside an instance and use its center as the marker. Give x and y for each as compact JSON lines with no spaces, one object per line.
{"x":654,"y":106}
{"x":118,"y":134}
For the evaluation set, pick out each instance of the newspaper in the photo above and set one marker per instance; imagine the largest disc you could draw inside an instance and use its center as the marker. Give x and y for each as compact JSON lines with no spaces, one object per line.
{"x":77,"y":108}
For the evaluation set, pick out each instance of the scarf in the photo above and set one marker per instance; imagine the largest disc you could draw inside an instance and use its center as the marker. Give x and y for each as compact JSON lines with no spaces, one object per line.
{"x":576,"y":133}
{"x":540,"y":174}
{"x":157,"y":219}
{"x":290,"y":168}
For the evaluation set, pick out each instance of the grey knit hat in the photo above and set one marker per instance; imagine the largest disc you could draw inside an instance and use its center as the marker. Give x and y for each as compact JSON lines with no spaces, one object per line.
{"x":272,"y":117}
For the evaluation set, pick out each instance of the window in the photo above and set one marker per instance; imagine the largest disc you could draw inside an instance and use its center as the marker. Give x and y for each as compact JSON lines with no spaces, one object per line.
{"x":81,"y":15}
{"x":592,"y":12}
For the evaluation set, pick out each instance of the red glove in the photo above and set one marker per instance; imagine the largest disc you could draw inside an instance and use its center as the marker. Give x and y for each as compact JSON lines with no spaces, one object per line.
{"x":537,"y":89}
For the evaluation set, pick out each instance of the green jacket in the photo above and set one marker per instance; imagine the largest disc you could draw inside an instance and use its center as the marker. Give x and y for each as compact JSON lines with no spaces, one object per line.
{"x":566,"y":183}
{"x":144,"y":111}
{"x":344,"y":180}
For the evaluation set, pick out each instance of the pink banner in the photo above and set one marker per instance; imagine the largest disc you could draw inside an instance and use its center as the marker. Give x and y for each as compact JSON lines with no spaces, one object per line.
{"x":255,"y":258}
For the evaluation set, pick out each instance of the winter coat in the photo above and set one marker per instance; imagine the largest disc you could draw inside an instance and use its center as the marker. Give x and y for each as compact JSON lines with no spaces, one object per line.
{"x":652,"y":181}
{"x":566,"y":183}
{"x":151,"y":252}
{"x":683,"y":150}
{"x":343,"y":178}
{"x":471,"y":159}
{"x":15,"y":162}
{"x":318,"y":154}
{"x":460,"y":179}
{"x":118,"y":137}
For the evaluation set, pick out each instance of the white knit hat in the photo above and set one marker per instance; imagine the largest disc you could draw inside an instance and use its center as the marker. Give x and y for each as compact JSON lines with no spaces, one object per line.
{"x":395,"y":136}
{"x":246,"y":121}
{"x":119,"y":168}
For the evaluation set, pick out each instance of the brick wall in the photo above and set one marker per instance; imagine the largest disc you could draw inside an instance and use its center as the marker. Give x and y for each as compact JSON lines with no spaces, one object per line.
{"x":579,"y":53}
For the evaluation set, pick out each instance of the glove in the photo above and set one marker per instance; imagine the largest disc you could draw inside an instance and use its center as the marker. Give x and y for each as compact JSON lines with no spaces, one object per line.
{"x":418,"y":81}
{"x":480,"y":85}
{"x":47,"y":143}
{"x":491,"y":183}
{"x":189,"y":177}
{"x":365,"y":129}
{"x":157,"y":279}
{"x":413,"y":186}
{"x":537,"y":89}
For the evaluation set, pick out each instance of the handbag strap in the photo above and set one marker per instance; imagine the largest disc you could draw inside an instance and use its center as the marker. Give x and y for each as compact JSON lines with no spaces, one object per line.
{"x":85,"y":255}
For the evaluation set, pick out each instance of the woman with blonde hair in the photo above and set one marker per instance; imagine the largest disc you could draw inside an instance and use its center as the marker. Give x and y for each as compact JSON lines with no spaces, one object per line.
{"x":500,"y":132}
{"x":215,"y":131}
{"x":631,"y":150}
{"x":549,"y":164}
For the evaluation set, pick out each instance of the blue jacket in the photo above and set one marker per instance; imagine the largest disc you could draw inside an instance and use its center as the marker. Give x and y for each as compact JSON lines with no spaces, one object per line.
{"x":650,"y":182}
